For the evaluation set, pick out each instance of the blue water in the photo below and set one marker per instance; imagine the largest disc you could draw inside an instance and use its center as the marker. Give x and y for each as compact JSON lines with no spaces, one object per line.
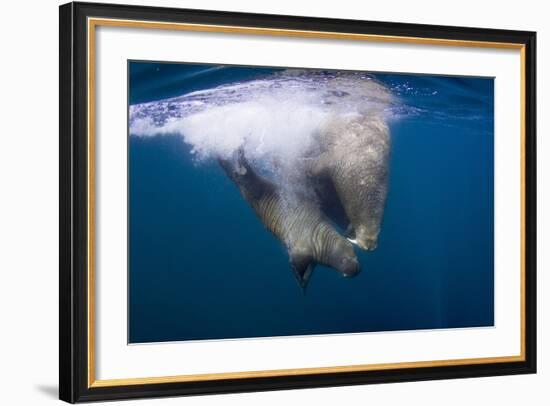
{"x":202,"y":266}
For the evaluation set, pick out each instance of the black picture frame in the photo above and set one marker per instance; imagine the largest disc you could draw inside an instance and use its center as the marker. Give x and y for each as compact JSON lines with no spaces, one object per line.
{"x":74,"y":384}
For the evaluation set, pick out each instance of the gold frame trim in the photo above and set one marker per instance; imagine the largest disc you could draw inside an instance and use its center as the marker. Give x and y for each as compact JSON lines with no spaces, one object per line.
{"x":94,"y":22}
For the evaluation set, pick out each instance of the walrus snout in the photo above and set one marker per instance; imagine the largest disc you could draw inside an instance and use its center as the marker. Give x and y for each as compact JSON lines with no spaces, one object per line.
{"x":365,"y":240}
{"x":349,"y":267}
{"x":368,"y":244}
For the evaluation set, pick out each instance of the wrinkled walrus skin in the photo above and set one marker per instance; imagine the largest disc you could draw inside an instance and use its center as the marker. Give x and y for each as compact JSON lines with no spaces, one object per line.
{"x":307,"y":234}
{"x":355,"y":157}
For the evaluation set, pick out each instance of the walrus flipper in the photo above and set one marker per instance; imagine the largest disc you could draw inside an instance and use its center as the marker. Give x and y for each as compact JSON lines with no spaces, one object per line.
{"x":302,"y":266}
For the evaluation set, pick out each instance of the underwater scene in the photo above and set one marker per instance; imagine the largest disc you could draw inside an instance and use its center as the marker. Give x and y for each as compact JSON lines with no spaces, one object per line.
{"x":269,"y":201}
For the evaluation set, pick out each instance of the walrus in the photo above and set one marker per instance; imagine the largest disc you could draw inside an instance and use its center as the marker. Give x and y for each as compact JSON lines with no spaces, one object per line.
{"x":298,"y":223}
{"x":354,"y":158}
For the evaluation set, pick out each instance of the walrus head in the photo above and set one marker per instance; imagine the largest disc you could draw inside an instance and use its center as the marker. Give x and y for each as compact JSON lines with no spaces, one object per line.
{"x":339,"y":255}
{"x":349,"y":267}
{"x":343,"y":259}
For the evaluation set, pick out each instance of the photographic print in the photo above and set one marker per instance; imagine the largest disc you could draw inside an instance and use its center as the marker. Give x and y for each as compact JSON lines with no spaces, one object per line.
{"x":267,"y":201}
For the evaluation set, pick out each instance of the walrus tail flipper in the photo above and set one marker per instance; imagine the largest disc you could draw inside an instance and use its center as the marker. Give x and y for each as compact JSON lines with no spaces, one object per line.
{"x":302,"y":266}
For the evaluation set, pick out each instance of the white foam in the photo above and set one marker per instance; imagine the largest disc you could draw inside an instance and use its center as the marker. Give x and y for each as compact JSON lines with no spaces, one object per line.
{"x":274,"y":119}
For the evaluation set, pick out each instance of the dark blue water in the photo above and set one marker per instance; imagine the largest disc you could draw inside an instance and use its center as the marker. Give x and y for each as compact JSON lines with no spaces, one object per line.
{"x":202,"y":266}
